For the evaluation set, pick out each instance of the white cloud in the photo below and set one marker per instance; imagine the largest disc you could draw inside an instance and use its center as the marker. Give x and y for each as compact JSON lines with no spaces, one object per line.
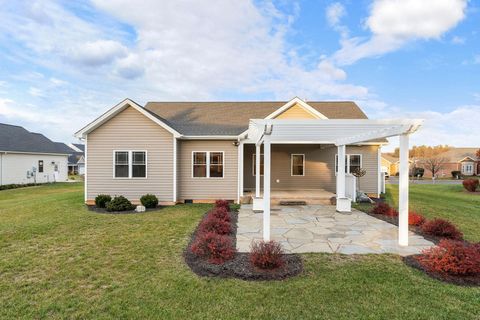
{"x":393,"y":23}
{"x":96,"y":53}
{"x":334,"y":13}
{"x":458,"y":40}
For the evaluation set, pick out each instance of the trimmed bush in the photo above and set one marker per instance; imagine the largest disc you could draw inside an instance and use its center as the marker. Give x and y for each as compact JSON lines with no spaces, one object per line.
{"x":214,"y":247}
{"x":149,"y":201}
{"x":470,"y":184}
{"x":415,"y":219}
{"x":21,"y":185}
{"x":384,"y":209}
{"x":442,"y":228}
{"x":451,"y":257}
{"x":456,"y":174}
{"x":119,"y":203}
{"x":418,"y":172}
{"x":266,"y":255}
{"x":222,"y":204}
{"x":221,"y":213}
{"x":214,"y":224}
{"x":101,"y":200}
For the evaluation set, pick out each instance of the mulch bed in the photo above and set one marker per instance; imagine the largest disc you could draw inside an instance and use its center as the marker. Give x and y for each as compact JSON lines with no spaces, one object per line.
{"x":240,"y":266}
{"x":103,"y":210}
{"x":467,"y":281}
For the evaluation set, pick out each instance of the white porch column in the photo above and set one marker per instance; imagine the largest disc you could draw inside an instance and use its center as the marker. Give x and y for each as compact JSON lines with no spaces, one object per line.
{"x":266,"y":188}
{"x":240,"y":171}
{"x":341,"y":172}
{"x":343,"y":203}
{"x":257,"y":171}
{"x":403,"y":192}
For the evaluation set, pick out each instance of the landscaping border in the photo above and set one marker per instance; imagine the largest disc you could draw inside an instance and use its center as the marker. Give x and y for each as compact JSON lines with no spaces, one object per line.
{"x":239,"y":267}
{"x":96,"y":209}
{"x":471,"y":281}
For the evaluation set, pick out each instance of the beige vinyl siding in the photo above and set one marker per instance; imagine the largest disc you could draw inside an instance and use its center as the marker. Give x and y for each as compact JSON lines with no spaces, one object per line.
{"x":296,"y":112}
{"x":207,"y":188}
{"x":130,"y":130}
{"x":319,"y":167}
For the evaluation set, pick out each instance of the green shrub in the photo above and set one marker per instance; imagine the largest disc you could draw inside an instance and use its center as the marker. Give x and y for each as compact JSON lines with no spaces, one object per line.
{"x":21,"y":185}
{"x":119,"y":203}
{"x":149,"y":201}
{"x":101,"y":200}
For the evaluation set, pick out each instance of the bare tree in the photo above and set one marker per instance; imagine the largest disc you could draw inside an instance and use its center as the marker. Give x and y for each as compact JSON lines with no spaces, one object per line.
{"x":434,"y":164}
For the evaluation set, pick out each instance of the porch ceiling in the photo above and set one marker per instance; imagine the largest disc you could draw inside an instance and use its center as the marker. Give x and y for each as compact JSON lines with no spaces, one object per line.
{"x":335,"y":131}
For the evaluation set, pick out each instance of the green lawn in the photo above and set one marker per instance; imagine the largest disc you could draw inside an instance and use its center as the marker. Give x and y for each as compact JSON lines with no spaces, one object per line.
{"x":58,"y":260}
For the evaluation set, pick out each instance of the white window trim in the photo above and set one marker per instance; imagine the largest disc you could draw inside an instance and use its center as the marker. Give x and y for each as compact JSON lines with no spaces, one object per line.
{"x":130,"y":165}
{"x":469,"y":165}
{"x":254,"y":164}
{"x":291,"y":165}
{"x":208,"y":164}
{"x":348,"y":162}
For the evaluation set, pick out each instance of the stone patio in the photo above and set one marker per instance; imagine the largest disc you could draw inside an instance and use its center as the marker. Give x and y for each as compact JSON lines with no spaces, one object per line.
{"x":319,"y":228}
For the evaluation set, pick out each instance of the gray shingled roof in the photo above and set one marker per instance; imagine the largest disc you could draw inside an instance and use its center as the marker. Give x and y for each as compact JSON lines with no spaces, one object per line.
{"x":16,"y":138}
{"x":232,"y":118}
{"x":80,"y":146}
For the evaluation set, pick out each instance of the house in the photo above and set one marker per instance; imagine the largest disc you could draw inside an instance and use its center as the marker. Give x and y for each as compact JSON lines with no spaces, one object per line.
{"x":457,"y":159}
{"x":202,"y":151}
{"x":76,"y":161}
{"x":27,"y":157}
{"x":390,"y":164}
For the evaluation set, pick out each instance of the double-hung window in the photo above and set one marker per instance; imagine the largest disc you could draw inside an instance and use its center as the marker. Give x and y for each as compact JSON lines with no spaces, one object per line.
{"x":207,"y":164}
{"x":352,"y":162}
{"x":130,"y":164}
{"x":298,"y":165}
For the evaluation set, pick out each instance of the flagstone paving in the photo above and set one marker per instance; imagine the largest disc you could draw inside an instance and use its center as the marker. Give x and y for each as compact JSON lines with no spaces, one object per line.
{"x":319,"y":228}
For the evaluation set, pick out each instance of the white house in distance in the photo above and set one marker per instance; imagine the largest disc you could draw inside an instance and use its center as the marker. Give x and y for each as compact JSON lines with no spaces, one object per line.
{"x":76,"y":161}
{"x":27,"y":157}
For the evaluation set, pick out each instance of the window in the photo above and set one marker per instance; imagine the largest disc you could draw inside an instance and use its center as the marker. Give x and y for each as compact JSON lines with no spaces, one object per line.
{"x":207,"y":164}
{"x":130,"y":164}
{"x":298,"y":164}
{"x":352,"y":162}
{"x":216,"y":164}
{"x":254,"y":167}
{"x":139,"y":165}
{"x":40,"y":165}
{"x":467,"y":168}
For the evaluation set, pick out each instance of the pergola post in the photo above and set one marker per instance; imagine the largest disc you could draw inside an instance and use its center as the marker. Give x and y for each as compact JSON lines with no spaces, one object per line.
{"x":343,"y":203}
{"x":257,"y":171}
{"x":266,"y":187}
{"x":403,"y":192}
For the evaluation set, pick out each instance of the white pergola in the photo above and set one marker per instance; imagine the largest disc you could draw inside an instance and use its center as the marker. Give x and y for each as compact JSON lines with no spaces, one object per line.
{"x":340,"y":133}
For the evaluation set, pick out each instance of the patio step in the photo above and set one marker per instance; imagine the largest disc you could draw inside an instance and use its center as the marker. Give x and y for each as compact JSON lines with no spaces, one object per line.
{"x":293,"y":203}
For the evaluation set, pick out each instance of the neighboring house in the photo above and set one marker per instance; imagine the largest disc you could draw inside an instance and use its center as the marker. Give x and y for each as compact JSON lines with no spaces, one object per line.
{"x":197,"y":152}
{"x":458,"y":159}
{"x":390,"y":164}
{"x":76,"y":161}
{"x":27,"y":157}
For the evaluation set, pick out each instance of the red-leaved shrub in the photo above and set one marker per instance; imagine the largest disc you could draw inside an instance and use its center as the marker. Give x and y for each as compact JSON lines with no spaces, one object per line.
{"x":442,"y":228}
{"x":452,"y":257}
{"x":266,"y":255}
{"x":384,"y":209}
{"x":381,"y":208}
{"x":415,"y":219}
{"x":214,"y":247}
{"x":222,"y":204}
{"x":470,"y":184}
{"x":221,"y":213}
{"x":214,"y":224}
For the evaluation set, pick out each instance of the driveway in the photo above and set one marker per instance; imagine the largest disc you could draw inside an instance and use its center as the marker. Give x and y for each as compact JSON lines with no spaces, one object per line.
{"x":319,"y":228}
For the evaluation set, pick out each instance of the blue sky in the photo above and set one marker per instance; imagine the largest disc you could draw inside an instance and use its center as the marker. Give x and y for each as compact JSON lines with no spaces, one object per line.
{"x":64,"y":63}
